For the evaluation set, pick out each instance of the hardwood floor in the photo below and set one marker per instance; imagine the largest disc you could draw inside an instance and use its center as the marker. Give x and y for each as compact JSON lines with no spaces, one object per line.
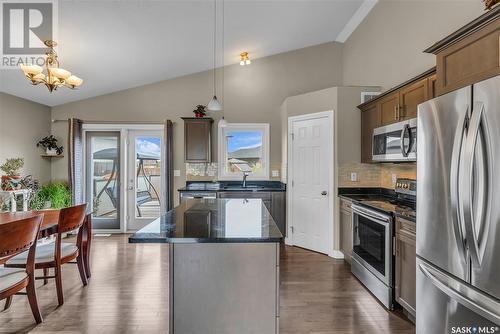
{"x":128,"y":294}
{"x":319,"y":295}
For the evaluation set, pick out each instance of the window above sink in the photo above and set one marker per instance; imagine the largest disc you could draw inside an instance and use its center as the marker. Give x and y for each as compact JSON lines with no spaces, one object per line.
{"x":243,"y":148}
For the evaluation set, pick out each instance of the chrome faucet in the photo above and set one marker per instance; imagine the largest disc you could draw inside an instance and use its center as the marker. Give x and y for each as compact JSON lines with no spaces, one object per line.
{"x":245,"y":175}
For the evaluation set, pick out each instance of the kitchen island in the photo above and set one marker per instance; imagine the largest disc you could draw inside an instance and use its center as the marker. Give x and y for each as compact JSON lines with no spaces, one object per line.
{"x":224,"y":265}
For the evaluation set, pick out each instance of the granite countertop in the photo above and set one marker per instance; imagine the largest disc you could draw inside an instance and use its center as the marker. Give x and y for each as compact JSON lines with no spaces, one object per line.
{"x":380,"y":199}
{"x":233,"y":186}
{"x":212,"y":221}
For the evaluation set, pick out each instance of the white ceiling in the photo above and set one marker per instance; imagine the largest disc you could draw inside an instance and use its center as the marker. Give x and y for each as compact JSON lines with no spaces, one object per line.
{"x":115,"y":45}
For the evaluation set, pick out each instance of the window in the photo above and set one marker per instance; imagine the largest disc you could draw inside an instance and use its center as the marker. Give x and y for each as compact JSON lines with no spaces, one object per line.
{"x":244,"y":148}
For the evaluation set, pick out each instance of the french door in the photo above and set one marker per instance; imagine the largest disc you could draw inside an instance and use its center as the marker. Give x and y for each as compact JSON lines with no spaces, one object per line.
{"x":144,"y":177}
{"x":123,"y":175}
{"x":103,"y":174}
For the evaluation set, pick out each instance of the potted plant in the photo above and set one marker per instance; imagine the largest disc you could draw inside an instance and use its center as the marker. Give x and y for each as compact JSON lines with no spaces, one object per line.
{"x":49,"y":143}
{"x":11,"y":180}
{"x":53,"y":195}
{"x":200,"y":111}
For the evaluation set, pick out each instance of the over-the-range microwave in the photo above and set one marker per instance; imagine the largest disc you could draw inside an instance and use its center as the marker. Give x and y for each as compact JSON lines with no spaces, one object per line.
{"x":395,"y":142}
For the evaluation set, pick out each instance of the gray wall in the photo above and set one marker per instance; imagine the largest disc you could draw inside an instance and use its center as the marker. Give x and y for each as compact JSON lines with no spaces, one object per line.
{"x":386,"y":48}
{"x":22,"y":124}
{"x":252,"y":94}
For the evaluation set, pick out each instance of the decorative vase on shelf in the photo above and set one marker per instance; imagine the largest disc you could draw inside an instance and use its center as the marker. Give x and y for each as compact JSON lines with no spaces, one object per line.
{"x":200,"y":111}
{"x":51,"y":151}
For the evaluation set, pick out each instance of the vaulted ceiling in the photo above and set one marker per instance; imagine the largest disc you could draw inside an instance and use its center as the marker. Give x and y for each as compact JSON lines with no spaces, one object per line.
{"x":115,"y":45}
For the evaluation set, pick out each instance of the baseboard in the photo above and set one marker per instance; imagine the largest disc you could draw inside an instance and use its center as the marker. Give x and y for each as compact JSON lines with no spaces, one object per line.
{"x":336,"y":254}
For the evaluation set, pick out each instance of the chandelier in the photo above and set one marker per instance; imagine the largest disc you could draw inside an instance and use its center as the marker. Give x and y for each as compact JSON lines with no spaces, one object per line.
{"x":55,"y":77}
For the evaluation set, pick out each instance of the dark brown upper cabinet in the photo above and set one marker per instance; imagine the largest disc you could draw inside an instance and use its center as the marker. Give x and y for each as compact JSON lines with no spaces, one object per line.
{"x":197,"y":139}
{"x":370,"y":119}
{"x":389,"y":108}
{"x":410,"y":97}
{"x":469,"y":55}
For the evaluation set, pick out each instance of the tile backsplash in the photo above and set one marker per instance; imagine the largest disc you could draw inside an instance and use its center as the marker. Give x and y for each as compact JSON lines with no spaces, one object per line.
{"x":368,"y":175}
{"x":208,"y":171}
{"x":201,"y":171}
{"x":375,"y":175}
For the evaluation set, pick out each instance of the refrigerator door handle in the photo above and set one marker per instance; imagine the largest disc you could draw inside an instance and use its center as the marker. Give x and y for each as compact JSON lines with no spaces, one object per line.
{"x":465,"y":295}
{"x":475,"y":217}
{"x":456,"y":158}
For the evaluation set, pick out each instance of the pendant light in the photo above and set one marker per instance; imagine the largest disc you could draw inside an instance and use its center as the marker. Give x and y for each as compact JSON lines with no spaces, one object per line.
{"x":214,"y":104}
{"x":222,"y":122}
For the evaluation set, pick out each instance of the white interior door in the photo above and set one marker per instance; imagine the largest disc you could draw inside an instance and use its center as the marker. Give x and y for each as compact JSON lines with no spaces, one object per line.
{"x":311,"y":176}
{"x":144,"y":177}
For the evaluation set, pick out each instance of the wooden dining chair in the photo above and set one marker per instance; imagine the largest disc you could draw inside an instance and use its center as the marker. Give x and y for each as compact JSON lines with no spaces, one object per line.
{"x":86,"y":242}
{"x":17,"y":237}
{"x":54,"y":255}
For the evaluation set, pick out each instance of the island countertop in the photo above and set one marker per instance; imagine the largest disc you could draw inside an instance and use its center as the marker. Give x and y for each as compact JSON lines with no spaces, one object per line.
{"x":212,"y":221}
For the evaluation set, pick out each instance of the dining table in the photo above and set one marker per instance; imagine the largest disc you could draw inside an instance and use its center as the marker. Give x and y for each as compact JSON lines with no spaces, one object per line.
{"x":49,"y":227}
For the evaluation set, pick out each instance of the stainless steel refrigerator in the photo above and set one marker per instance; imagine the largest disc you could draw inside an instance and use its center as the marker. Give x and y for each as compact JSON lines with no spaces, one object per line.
{"x":458,"y":211}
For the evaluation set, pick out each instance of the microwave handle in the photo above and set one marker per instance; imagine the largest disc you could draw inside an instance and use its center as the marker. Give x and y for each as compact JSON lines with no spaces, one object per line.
{"x":406,"y":128}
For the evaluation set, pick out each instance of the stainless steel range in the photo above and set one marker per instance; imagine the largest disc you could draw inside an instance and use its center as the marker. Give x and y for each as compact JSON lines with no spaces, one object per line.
{"x":373,"y":239}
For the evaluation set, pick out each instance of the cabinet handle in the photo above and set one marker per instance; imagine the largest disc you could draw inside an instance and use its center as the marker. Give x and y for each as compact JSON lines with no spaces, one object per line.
{"x":396,"y":113}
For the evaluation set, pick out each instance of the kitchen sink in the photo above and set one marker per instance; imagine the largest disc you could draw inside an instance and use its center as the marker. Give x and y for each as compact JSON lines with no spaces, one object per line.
{"x":239,"y":187}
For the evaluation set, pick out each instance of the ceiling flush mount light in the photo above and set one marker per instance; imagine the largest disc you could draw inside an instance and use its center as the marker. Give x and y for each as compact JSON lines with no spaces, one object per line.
{"x":244,"y":59}
{"x":55,"y":77}
{"x":214,"y":104}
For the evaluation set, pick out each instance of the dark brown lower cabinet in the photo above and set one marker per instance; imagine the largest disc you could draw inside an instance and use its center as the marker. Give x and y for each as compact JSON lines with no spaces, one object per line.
{"x":345,"y":229}
{"x":275,"y":202}
{"x":406,"y":264}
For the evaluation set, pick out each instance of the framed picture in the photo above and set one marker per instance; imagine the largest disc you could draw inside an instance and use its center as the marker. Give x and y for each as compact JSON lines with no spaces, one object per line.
{"x":367,"y":96}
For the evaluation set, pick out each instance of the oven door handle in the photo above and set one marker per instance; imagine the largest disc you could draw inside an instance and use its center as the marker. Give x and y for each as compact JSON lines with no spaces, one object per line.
{"x":371,"y":214}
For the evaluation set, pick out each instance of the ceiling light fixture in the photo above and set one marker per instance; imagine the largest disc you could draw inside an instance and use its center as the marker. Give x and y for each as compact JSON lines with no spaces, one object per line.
{"x":56,"y":76}
{"x":214,"y":104}
{"x":244,"y":59}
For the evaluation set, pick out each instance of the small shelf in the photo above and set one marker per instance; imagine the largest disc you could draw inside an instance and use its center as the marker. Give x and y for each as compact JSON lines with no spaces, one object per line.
{"x":52,"y":155}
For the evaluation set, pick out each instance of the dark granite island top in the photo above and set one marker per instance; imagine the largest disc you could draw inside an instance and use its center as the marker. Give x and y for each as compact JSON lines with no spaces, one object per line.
{"x":219,"y":250}
{"x":212,"y":221}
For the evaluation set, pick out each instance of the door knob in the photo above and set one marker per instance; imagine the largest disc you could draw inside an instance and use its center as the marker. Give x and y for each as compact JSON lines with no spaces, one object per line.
{"x":324,"y":193}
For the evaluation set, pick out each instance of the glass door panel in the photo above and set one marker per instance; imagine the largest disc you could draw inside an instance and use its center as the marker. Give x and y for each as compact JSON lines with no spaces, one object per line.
{"x":144,"y":181}
{"x":103,"y":178}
